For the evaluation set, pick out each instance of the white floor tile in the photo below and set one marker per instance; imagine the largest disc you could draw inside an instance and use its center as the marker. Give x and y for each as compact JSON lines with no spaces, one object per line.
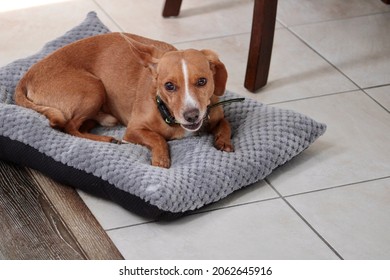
{"x":293,"y":12}
{"x":354,"y":219}
{"x":109,"y":214}
{"x":265,"y":230}
{"x":354,"y":148}
{"x":25,"y":31}
{"x":359,"y":47}
{"x":198,"y":19}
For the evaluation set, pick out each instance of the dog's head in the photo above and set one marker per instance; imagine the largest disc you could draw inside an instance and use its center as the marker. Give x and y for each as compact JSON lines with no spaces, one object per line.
{"x":186,"y":80}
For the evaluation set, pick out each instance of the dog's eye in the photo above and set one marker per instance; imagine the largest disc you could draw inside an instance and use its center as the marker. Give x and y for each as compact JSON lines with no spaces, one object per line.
{"x":201,"y":82}
{"x":170,"y":86}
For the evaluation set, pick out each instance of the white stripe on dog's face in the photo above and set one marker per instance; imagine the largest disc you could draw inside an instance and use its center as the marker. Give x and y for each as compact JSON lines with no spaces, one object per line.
{"x":189,"y":101}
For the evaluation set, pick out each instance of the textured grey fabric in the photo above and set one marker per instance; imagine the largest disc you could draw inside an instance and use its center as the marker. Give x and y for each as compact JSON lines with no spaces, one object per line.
{"x":264,"y":138}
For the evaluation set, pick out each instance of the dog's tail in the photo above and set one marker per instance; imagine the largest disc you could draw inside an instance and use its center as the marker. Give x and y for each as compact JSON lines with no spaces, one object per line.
{"x":55,"y":116}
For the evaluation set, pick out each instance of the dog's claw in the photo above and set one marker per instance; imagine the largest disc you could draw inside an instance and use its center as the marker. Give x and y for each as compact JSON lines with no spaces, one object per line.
{"x":161,"y":162}
{"x":223,"y":146}
{"x":228,"y":148}
{"x":115,"y":141}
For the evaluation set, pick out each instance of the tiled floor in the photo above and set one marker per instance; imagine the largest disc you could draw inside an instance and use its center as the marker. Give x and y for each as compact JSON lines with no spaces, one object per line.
{"x":331,"y":61}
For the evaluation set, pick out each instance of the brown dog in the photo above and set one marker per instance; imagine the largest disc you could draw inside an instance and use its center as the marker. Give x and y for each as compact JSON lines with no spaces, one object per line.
{"x":118,"y":77}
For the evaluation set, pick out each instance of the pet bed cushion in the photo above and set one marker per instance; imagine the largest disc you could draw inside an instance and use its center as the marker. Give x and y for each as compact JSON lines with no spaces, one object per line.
{"x":264,"y":138}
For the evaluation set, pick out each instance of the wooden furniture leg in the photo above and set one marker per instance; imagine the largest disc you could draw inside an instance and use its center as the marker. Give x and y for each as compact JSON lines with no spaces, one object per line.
{"x":261,"y":42}
{"x":386,"y":1}
{"x":172,"y":8}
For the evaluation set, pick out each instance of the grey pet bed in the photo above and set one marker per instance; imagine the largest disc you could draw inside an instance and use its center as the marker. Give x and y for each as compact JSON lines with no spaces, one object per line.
{"x":264,"y":138}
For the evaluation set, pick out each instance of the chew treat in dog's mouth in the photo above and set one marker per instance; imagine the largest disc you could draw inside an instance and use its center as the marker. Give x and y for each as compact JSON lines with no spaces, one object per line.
{"x":193,"y":126}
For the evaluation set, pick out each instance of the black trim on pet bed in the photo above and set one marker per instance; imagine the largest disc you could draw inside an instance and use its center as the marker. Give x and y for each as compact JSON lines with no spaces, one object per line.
{"x":24,"y":155}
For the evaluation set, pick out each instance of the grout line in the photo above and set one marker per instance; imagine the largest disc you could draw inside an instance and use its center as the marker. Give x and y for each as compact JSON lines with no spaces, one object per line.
{"x":334,"y":19}
{"x":235,"y":205}
{"x":284,"y":25}
{"x":324,"y":58}
{"x":210,"y":38}
{"x":313,"y":97}
{"x":197,"y":212}
{"x":336,"y":93}
{"x":373,"y":99}
{"x":338,"y":186}
{"x":129,"y":226}
{"x":248,"y":33}
{"x":377,"y":86}
{"x":225,"y":36}
{"x":306,"y":222}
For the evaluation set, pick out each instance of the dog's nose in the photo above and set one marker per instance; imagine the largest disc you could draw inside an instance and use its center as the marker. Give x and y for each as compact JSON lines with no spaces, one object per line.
{"x":191,"y":115}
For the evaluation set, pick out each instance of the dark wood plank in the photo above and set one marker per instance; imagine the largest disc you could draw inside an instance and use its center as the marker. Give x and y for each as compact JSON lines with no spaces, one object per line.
{"x":34,"y":223}
{"x":89,"y":234}
{"x":29,"y":226}
{"x":260,"y":49}
{"x":171,"y":8}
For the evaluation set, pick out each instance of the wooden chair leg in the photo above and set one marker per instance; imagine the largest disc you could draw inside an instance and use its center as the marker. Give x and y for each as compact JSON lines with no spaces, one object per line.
{"x":172,"y":8}
{"x":386,"y":1}
{"x":260,"y":49}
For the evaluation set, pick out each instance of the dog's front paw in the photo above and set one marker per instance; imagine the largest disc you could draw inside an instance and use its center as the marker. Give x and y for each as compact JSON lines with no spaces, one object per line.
{"x":222,"y":145}
{"x":161,"y":161}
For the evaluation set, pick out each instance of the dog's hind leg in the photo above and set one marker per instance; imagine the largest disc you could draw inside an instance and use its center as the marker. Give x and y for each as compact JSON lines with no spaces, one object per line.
{"x":73,"y":127}
{"x":86,"y":105}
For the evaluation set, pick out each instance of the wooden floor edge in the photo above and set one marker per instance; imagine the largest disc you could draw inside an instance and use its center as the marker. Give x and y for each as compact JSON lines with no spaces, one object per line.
{"x":41,"y":219}
{"x":81,"y":223}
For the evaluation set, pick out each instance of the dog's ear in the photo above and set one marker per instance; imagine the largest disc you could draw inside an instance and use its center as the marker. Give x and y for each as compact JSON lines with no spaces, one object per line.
{"x":148,"y":55}
{"x":219,"y":70}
